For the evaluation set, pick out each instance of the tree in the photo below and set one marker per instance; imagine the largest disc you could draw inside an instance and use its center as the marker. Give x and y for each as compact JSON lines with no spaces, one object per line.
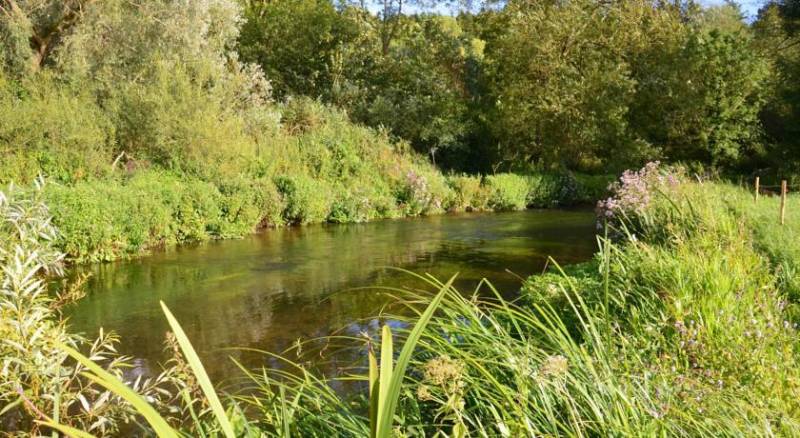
{"x":295,"y":42}
{"x":608,"y":85}
{"x":30,"y":30}
{"x":561,"y":83}
{"x":418,"y":88}
{"x":701,"y":100}
{"x":777,"y":32}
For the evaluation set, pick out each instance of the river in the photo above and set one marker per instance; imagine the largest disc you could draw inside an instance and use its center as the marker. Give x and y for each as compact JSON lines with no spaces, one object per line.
{"x":268,"y":290}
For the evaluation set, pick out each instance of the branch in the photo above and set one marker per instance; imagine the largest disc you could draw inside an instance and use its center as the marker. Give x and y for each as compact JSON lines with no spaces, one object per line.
{"x":11,"y":7}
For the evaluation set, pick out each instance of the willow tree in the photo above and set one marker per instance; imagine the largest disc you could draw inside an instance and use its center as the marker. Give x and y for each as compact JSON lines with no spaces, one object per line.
{"x":30,"y":30}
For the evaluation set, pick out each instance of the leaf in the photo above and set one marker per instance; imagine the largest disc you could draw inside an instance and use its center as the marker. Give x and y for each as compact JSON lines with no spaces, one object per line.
{"x":387,"y":357}
{"x":113,"y":384}
{"x":199,"y":373}
{"x":10,"y":406}
{"x":386,"y":413}
{"x":66,"y":430}
{"x":373,"y":394}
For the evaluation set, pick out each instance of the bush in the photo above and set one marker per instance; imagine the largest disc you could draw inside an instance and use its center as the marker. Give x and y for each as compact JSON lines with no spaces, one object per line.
{"x":307,"y":199}
{"x":109,"y":219}
{"x":180,"y":125}
{"x":591,"y":188}
{"x":507,"y":191}
{"x":422,"y":190}
{"x":36,"y":368}
{"x":247,"y":204}
{"x":51,"y":130}
{"x":468,"y":194}
{"x":565,"y":189}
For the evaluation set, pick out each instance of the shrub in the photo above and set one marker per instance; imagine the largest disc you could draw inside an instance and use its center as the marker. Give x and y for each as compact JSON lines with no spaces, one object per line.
{"x":635,"y":191}
{"x":591,"y":188}
{"x":37,"y":375}
{"x":307,"y":199}
{"x":51,"y":130}
{"x":180,"y":125}
{"x":248,"y":204}
{"x":423,"y":191}
{"x":507,"y":191}
{"x":467,"y":192}
{"x":109,"y":219}
{"x":548,"y":190}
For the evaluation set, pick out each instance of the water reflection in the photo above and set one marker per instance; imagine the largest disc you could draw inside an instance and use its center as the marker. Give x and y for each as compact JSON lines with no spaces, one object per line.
{"x":266,"y":291}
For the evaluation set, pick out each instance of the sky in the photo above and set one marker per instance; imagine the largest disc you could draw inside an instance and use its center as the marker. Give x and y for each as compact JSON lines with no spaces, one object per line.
{"x":749,"y":7}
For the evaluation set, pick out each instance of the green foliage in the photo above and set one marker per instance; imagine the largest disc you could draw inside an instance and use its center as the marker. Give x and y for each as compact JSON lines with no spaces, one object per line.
{"x":720,"y":76}
{"x":682,"y":329}
{"x":39,"y":383}
{"x":51,"y":129}
{"x":627,"y":97}
{"x":612,"y":86}
{"x":507,"y":191}
{"x":779,"y":42}
{"x":307,"y":200}
{"x":295,"y":43}
{"x":414,"y":87}
{"x":113,"y":218}
{"x":468,"y":194}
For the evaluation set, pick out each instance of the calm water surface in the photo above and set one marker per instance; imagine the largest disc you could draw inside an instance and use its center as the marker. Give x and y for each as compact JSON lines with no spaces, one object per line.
{"x":268,"y":290}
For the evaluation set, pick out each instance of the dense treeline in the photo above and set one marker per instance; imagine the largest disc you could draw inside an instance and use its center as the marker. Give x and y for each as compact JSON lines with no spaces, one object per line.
{"x":587,"y":85}
{"x":584,"y":85}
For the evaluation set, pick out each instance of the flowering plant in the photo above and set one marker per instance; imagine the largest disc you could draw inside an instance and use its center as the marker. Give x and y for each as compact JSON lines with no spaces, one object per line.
{"x":633,"y":193}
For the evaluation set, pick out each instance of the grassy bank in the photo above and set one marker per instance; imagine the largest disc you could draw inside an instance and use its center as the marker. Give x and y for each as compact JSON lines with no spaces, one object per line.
{"x":335,"y":172}
{"x":129,"y":215}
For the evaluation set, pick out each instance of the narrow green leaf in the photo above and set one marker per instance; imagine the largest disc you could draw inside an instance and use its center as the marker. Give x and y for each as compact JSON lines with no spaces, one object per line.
{"x":389,"y":404}
{"x":286,"y":419}
{"x":11,"y":406}
{"x":113,"y":384}
{"x":66,"y":430}
{"x":199,"y":373}
{"x":373,"y":391}
{"x":385,"y":373}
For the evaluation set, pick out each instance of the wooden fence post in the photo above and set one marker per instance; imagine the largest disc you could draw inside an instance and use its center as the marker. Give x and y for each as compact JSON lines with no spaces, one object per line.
{"x":758,"y":183}
{"x":783,"y":201}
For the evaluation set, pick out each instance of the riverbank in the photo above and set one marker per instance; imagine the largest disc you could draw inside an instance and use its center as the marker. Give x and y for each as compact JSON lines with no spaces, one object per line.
{"x":130,"y":215}
{"x":132,"y":172}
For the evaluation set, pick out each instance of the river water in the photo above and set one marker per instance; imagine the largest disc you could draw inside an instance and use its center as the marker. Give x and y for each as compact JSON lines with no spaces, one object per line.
{"x":268,"y":290}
